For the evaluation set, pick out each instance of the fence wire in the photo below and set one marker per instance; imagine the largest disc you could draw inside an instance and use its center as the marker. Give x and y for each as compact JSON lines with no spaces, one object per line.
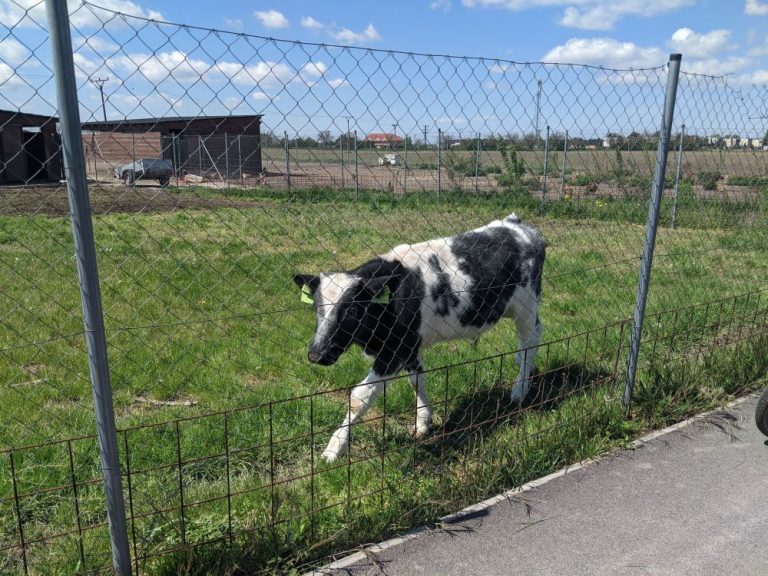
{"x":221,"y":164}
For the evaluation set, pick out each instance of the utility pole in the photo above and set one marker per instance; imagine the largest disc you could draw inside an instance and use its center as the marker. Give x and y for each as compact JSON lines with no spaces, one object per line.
{"x":394,"y":133}
{"x":538,"y":111}
{"x":425,"y":135}
{"x":99,"y":83}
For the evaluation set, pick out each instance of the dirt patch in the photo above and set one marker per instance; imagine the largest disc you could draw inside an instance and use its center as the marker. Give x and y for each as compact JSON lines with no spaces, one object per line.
{"x":106,"y":199}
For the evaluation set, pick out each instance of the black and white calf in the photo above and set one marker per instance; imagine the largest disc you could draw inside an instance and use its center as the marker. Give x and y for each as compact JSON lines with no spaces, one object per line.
{"x":418,"y":294}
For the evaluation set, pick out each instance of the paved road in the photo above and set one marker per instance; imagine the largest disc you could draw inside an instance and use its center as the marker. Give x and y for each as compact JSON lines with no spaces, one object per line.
{"x":693,"y":501}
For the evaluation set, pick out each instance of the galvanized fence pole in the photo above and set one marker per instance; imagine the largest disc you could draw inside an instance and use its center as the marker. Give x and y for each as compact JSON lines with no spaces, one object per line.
{"x":200,"y":156}
{"x":439,"y":160}
{"x":677,"y":176}
{"x":287,"y":163}
{"x":174,"y":155}
{"x":85,"y":253}
{"x":240,"y":158}
{"x":405,"y":164}
{"x":646,"y":266}
{"x":226,"y":159}
{"x":133,"y":160}
{"x":565,"y":162}
{"x":341,"y":150}
{"x":477,"y":162}
{"x":546,"y":163}
{"x":357,"y":174}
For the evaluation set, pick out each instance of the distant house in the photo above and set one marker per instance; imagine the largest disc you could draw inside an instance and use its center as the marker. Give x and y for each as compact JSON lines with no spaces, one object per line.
{"x":383,"y":140}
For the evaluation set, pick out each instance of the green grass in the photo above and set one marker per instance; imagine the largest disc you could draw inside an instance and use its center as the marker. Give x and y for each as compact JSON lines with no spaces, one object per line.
{"x":200,"y":306}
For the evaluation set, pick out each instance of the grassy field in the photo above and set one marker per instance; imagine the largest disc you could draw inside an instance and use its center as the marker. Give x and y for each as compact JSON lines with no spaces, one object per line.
{"x":201,"y":311}
{"x":739,"y":162}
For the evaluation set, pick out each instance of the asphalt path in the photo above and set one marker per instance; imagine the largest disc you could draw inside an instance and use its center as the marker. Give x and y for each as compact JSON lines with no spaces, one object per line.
{"x":693,"y":500}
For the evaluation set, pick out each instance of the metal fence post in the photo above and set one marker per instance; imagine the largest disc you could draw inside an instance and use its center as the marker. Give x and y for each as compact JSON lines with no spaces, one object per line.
{"x":646,"y":266}
{"x":226,"y":159}
{"x":677,"y":175}
{"x":85,"y":252}
{"x":565,"y":162}
{"x":405,"y":164}
{"x":341,"y":149}
{"x":239,"y":158}
{"x":287,"y":163}
{"x":477,"y":162}
{"x":439,"y":147}
{"x":357,"y":174}
{"x":546,"y":162}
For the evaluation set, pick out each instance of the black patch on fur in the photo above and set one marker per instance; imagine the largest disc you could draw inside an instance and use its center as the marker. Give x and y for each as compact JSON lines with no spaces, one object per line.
{"x":442,"y":293}
{"x":497,"y":261}
{"x":390,"y":332}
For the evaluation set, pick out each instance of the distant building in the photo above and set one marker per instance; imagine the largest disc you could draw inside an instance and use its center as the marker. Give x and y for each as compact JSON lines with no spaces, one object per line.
{"x":383,"y":140}
{"x":201,"y":145}
{"x":29,"y":148}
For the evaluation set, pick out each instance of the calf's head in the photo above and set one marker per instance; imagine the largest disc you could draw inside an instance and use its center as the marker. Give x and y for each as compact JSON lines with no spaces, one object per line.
{"x":347,"y":309}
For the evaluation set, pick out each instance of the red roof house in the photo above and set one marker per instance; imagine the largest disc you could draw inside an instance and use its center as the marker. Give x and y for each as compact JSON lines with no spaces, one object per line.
{"x":383,"y":140}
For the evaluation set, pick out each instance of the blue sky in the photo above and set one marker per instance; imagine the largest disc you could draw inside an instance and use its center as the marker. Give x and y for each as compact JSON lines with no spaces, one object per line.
{"x":716,"y":36}
{"x":158,"y":70}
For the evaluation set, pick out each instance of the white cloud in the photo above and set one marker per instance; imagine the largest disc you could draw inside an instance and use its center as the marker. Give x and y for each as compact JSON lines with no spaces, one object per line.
{"x":442,"y":5}
{"x":695,"y":45}
{"x":337,"y":83}
{"x":589,"y":14}
{"x":261,"y":96}
{"x":8,"y":77}
{"x":266,"y":73}
{"x":717,"y":66}
{"x":12,"y":51}
{"x":759,"y":51}
{"x":32,"y":13}
{"x":755,"y":77}
{"x":93,"y":43}
{"x":370,"y":34}
{"x":271,"y":19}
{"x":606,"y":52}
{"x":234,"y":23}
{"x":157,"y":67}
{"x":756,"y":8}
{"x":314,"y":69}
{"x":311,"y":23}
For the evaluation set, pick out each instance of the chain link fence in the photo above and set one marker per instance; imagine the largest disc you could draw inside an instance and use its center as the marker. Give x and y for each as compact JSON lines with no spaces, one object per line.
{"x":219,"y":165}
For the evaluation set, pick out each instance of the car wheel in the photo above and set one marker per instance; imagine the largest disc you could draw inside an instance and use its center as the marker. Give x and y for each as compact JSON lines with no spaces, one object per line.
{"x":164,"y":181}
{"x":128,"y":177}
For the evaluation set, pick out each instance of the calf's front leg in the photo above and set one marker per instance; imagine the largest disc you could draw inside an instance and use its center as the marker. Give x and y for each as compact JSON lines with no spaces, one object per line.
{"x":418,"y":381}
{"x":360,"y":400}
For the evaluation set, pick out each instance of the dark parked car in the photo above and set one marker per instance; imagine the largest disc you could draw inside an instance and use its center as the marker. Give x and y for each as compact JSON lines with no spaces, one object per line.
{"x":145,"y":169}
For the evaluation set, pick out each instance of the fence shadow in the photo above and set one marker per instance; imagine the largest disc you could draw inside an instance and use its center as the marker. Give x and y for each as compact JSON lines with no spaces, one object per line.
{"x":483,"y":411}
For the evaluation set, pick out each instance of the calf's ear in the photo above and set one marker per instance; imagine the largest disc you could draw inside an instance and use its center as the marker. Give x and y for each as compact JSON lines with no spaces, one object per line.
{"x":378,"y":288}
{"x":308,"y":280}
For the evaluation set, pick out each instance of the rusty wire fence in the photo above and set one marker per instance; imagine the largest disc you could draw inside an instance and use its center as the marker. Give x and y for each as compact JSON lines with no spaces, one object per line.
{"x":271,"y":157}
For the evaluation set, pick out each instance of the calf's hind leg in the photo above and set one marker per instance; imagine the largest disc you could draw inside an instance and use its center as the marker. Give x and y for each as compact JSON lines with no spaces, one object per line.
{"x":529,"y":330}
{"x":418,"y":381}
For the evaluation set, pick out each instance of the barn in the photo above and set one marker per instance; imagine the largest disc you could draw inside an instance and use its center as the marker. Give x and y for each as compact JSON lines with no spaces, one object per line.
{"x":213,"y":147}
{"x":29,"y":148}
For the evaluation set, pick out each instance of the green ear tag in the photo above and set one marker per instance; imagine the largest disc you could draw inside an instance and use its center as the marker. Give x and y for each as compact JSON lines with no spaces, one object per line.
{"x":306,"y":295}
{"x":384,"y":297}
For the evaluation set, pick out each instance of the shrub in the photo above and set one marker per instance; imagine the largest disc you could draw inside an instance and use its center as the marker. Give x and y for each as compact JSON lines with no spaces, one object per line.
{"x":513,"y":167}
{"x":708,"y":179}
{"x":748,"y":180}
